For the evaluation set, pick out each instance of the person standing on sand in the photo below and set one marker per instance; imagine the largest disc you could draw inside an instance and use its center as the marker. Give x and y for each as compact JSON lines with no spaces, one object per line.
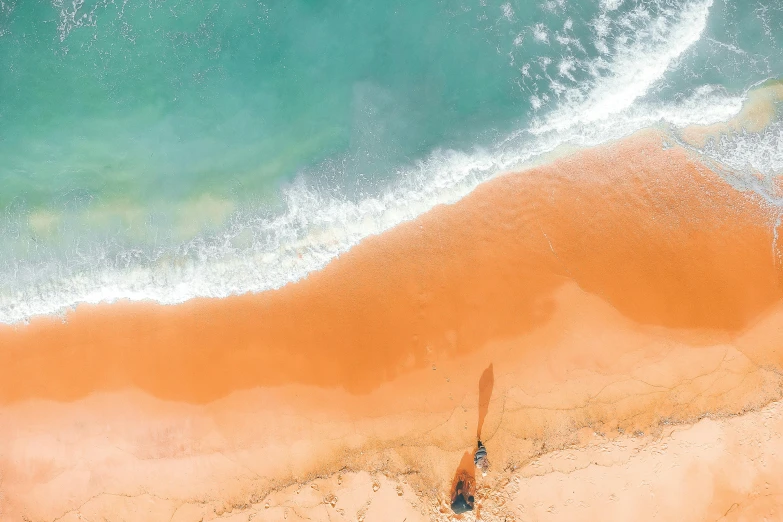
{"x":480,"y":459}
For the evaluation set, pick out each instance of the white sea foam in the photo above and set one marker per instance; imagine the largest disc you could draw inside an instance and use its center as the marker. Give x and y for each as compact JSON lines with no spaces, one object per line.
{"x":540,"y":33}
{"x":611,"y":5}
{"x":507,"y":10}
{"x":315,"y":228}
{"x":635,"y":67}
{"x":750,"y":161}
{"x":751,"y":152}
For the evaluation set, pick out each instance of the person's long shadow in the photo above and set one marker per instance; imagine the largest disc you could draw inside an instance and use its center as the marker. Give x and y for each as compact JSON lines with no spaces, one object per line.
{"x":463,"y":486}
{"x":486,"y":384}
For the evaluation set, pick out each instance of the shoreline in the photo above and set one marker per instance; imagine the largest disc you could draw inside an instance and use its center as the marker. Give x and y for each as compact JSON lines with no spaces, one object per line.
{"x":516,"y":238}
{"x":756,"y":113}
{"x":615,"y":292}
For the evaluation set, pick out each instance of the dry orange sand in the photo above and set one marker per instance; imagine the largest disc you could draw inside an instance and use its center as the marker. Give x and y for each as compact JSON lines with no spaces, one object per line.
{"x":615,"y":292}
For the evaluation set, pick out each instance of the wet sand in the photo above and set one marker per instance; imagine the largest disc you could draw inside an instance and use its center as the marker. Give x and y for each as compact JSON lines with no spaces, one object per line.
{"x":620,"y":294}
{"x":759,"y":110}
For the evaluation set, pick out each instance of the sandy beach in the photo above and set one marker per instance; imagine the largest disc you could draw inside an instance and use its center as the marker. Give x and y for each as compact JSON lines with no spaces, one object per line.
{"x":625,"y":299}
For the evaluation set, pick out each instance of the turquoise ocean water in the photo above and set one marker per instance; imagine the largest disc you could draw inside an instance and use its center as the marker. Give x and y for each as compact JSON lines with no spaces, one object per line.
{"x":168,"y":149}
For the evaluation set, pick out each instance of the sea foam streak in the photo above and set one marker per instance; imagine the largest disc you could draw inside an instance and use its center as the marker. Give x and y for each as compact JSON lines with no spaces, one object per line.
{"x":750,"y":161}
{"x":315,"y":228}
{"x":617,"y":85}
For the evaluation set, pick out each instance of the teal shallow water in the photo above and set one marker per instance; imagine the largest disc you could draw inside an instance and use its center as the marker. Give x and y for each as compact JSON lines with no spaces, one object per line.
{"x":168,"y":149}
{"x":171,"y":99}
